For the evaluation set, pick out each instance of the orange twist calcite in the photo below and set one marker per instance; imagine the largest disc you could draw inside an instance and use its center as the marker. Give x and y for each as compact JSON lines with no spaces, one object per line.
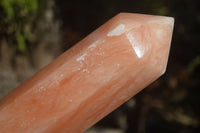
{"x":92,"y":78}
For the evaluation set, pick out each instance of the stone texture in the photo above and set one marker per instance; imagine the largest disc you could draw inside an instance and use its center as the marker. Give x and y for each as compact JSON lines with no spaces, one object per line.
{"x":92,"y":78}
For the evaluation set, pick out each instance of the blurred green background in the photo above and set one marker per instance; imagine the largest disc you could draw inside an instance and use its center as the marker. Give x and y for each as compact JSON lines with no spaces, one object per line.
{"x":34,"y":32}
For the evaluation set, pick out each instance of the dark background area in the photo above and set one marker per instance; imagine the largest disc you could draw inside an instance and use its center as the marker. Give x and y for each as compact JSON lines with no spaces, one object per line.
{"x":34,"y":32}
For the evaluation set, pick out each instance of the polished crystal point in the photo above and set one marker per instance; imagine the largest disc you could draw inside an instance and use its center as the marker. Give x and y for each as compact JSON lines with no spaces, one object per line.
{"x":91,"y":79}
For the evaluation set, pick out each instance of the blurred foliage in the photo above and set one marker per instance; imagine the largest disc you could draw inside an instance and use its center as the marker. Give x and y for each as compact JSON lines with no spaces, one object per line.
{"x":26,"y":7}
{"x":17,"y":20}
{"x":195,"y":63}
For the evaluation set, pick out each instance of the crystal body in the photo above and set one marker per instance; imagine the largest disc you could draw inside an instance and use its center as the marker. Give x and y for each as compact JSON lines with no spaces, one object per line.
{"x":92,"y":78}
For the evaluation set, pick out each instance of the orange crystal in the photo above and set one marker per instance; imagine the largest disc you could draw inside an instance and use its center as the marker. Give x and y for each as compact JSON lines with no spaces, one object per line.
{"x":91,"y":79}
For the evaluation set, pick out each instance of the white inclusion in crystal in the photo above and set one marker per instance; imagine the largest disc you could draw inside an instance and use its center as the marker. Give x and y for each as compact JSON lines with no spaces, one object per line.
{"x":86,"y":70}
{"x":120,"y":29}
{"x":93,"y":45}
{"x":41,"y":88}
{"x":82,"y":57}
{"x":70,"y":100}
{"x":136,"y":46}
{"x":100,"y":53}
{"x":61,"y":75}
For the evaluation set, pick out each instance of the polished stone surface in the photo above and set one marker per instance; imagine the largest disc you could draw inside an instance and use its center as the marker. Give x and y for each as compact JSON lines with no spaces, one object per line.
{"x":92,"y":78}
